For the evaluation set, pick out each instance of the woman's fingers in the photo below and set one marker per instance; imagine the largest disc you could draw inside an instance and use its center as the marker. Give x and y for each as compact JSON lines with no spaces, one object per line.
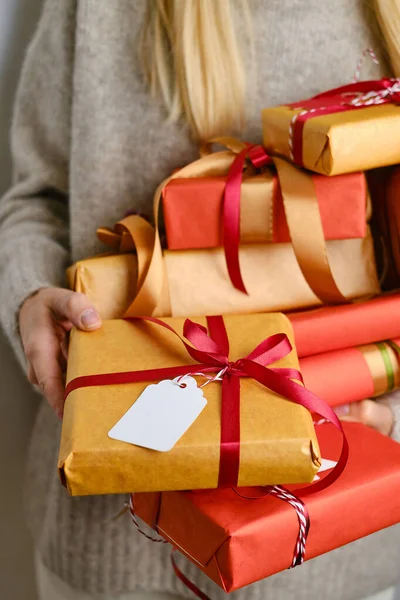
{"x":44,"y":320}
{"x":374,"y":414}
{"x":73,"y":307}
{"x":64,"y":347}
{"x":44,"y":368}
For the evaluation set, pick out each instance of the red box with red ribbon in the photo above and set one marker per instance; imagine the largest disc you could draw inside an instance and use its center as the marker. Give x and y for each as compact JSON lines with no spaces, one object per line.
{"x":194,"y":219}
{"x":221,"y":200}
{"x":237,"y":541}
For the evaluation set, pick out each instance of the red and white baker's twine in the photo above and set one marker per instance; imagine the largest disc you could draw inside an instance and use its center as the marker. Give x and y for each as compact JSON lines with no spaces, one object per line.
{"x":304,"y":524}
{"x":369,"y":99}
{"x":377,"y":97}
{"x":367,"y":52}
{"x":140,"y":530}
{"x":209,"y":378}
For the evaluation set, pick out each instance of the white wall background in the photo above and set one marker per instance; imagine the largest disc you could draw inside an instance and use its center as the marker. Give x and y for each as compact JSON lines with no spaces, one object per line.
{"x":17,"y":401}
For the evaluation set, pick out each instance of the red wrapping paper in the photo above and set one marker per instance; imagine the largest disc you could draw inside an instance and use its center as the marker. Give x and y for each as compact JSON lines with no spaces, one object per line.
{"x":193,"y":211}
{"x":350,"y":374}
{"x":237,"y":541}
{"x":337,"y":327}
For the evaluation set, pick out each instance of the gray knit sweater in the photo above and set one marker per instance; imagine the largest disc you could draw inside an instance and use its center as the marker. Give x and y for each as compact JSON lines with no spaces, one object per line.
{"x":89,"y":143}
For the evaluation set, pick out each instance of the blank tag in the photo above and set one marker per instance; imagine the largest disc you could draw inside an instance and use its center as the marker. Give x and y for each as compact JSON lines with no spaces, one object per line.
{"x":161,"y":414}
{"x":325,"y":466}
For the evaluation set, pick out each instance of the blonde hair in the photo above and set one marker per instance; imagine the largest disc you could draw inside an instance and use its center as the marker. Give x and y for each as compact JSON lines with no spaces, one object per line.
{"x":193,"y":60}
{"x":388,"y":17}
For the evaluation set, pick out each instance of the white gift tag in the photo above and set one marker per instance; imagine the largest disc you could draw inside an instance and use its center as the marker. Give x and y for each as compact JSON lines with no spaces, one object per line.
{"x":161,"y":414}
{"x":325,"y":466}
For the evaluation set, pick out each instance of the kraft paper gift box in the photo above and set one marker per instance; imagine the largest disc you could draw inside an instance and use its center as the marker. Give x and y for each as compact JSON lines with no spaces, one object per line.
{"x":109,"y":281}
{"x":336,"y":327}
{"x":277,"y":437}
{"x":192,"y":209}
{"x":197,"y":281}
{"x":348,"y":129}
{"x":237,"y":542}
{"x":353,"y":374}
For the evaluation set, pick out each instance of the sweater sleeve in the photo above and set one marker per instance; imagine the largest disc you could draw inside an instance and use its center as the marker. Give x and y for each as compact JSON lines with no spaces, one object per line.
{"x":34,"y":212}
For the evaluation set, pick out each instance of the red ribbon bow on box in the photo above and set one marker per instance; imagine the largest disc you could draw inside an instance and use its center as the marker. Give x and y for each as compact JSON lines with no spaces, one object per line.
{"x":211,"y":351}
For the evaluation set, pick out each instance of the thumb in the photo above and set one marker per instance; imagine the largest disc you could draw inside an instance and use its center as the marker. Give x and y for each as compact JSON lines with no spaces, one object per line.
{"x":74,"y":307}
{"x":377,"y":415}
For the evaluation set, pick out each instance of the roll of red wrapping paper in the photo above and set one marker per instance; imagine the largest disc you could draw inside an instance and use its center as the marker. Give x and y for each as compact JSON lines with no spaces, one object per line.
{"x":353,"y":374}
{"x":337,"y":327}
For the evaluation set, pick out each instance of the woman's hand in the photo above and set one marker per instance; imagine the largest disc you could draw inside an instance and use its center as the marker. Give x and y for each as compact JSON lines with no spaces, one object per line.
{"x":375,"y":414}
{"x":45,"y":319}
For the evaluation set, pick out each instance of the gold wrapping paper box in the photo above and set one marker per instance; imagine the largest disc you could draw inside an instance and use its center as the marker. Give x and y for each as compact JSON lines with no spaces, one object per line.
{"x":343,"y":142}
{"x":108,"y":280}
{"x":197,"y":281}
{"x":278,"y":442}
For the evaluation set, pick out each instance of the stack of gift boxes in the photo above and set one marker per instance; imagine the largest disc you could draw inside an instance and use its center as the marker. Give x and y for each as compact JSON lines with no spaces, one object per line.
{"x":250,"y":231}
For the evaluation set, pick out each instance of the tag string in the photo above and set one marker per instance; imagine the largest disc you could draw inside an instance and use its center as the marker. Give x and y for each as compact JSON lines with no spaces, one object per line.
{"x":210,"y":378}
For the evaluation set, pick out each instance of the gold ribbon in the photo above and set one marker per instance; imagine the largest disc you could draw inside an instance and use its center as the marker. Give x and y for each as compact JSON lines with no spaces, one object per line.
{"x":304,"y":223}
{"x":302,"y":215}
{"x":135,"y":233}
{"x":306,"y":231}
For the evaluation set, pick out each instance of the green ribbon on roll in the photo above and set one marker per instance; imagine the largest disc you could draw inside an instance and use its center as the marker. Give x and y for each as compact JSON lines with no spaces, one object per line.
{"x":388,"y":364}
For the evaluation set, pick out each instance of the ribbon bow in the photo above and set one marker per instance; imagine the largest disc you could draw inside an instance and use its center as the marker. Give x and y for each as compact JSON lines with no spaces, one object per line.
{"x":211,"y":351}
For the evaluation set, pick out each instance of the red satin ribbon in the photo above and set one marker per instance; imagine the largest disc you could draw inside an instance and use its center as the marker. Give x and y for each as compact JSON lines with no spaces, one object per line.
{"x":186,"y":581}
{"x":211,"y":357}
{"x":337,"y":100}
{"x":231,"y":209}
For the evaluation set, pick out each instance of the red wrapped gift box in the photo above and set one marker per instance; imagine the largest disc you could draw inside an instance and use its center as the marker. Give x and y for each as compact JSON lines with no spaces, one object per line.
{"x":337,"y":327}
{"x":193,"y":209}
{"x":236,"y":541}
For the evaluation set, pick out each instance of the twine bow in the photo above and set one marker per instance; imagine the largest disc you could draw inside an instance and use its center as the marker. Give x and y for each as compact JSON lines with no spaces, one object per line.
{"x":389,"y":93}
